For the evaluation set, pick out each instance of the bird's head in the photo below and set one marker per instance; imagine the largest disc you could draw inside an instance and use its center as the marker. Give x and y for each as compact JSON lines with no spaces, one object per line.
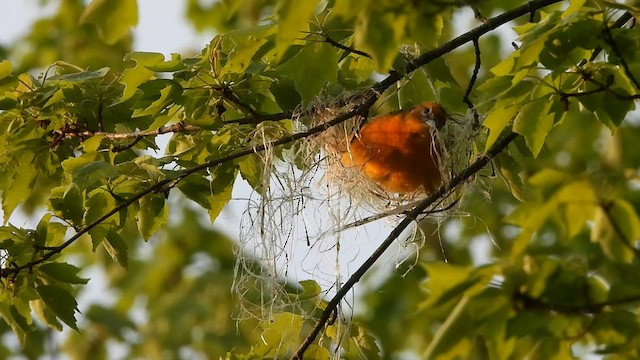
{"x":431,"y":113}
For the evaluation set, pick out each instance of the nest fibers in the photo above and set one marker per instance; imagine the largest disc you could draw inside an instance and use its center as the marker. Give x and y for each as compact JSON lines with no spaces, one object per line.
{"x":312,"y":219}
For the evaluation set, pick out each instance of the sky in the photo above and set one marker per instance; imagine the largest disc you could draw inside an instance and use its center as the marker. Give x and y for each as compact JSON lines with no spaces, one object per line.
{"x":161,"y":26}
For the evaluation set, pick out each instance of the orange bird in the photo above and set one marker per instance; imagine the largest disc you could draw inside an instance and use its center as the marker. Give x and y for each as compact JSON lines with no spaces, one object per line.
{"x":399,"y":150}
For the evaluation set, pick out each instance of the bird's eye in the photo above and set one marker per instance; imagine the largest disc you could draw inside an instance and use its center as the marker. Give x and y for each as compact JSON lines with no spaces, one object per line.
{"x":426,"y":113}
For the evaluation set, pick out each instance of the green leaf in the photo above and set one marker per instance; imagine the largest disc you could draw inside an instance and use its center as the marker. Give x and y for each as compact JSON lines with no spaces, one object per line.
{"x":222,"y":185}
{"x":72,"y":204}
{"x":175,"y":64}
{"x":196,"y":188}
{"x":497,"y":120}
{"x":56,"y":97}
{"x":534,"y":122}
{"x":315,"y":352}
{"x":446,"y":282}
{"x":246,"y":43}
{"x":63,"y":272}
{"x":112,"y":18}
{"x":21,"y":185}
{"x":379,"y":33}
{"x":293,"y":19}
{"x":359,"y":344}
{"x":282,"y":329}
{"x":61,"y":302}
{"x":355,"y":70}
{"x":20,"y":325}
{"x":152,"y":215}
{"x":45,"y":314}
{"x":93,"y":174}
{"x":211,"y":195}
{"x":117,"y":248}
{"x":98,"y":203}
{"x":5,"y":69}
{"x":574,"y":7}
{"x":578,"y":201}
{"x":285,"y":94}
{"x":92,"y":144}
{"x":251,"y":170}
{"x":305,"y":63}
{"x":82,"y":76}
{"x":616,"y":228}
{"x":111,"y":318}
{"x":453,"y":338}
{"x":510,"y":171}
{"x":310,"y":289}
{"x":135,"y":76}
{"x":167,"y":96}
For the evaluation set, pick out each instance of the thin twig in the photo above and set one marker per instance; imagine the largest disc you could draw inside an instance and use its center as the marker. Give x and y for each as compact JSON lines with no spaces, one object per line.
{"x":121,"y":148}
{"x":608,"y":37}
{"x":349,"y":49}
{"x":472,"y":81}
{"x":532,"y":303}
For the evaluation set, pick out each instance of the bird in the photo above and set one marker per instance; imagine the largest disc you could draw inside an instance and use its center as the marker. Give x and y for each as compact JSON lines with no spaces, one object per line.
{"x":399,"y":151}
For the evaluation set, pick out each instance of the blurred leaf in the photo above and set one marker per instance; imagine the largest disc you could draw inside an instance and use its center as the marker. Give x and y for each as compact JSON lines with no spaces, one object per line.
{"x":510,"y":171}
{"x":293,"y":21}
{"x":379,"y":33}
{"x":616,"y":227}
{"x":279,"y":333}
{"x":5,"y":69}
{"x":113,"y":18}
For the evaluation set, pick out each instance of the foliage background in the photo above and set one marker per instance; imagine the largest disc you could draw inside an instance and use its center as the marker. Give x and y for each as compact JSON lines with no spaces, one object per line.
{"x":542,"y":265}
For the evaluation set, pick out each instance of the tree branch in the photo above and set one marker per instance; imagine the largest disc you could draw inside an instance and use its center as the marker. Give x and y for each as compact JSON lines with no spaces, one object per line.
{"x":532,"y":303}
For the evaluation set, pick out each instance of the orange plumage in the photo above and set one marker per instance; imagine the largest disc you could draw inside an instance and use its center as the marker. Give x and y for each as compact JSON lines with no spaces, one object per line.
{"x":399,"y":151}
